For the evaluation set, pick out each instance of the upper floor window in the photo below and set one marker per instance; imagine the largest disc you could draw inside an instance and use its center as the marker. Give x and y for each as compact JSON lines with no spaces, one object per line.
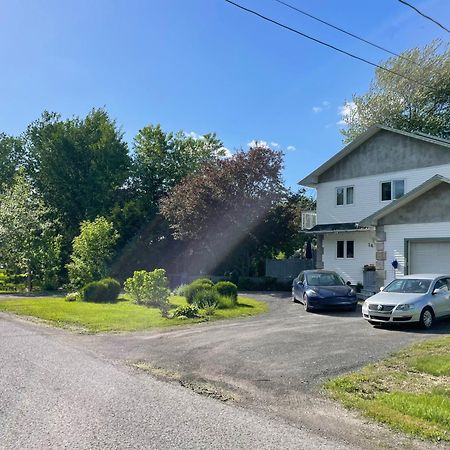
{"x":344,"y":195}
{"x":392,"y":190}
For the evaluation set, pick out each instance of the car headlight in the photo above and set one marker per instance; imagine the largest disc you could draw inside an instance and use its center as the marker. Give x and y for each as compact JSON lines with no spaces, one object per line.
{"x":404,"y":307}
{"x":312,"y":293}
{"x":351,"y":293}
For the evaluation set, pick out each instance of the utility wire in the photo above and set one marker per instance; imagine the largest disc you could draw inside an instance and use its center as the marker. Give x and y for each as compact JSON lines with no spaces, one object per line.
{"x":348,"y":33}
{"x":318,"y":41}
{"x":424,"y":15}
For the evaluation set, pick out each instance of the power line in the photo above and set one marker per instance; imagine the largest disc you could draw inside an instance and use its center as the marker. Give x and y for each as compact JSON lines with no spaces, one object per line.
{"x":424,"y":15}
{"x":318,"y":41}
{"x":348,"y":33}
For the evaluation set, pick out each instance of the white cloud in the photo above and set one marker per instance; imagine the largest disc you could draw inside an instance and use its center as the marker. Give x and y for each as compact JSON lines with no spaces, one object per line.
{"x":291,"y":148}
{"x":319,"y":108}
{"x":275,"y":144}
{"x":345,"y":111}
{"x":256,"y":143}
{"x":193,"y":135}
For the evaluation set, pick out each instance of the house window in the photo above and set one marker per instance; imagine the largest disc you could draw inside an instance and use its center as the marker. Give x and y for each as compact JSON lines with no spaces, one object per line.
{"x":392,"y":190}
{"x":345,"y":249}
{"x":344,"y":195}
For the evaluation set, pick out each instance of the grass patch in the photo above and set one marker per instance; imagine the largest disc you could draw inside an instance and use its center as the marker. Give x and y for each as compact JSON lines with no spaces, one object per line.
{"x":409,"y":391}
{"x":121,"y":316}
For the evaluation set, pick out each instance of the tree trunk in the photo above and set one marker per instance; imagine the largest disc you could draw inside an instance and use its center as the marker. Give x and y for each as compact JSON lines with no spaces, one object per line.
{"x":29,"y":278}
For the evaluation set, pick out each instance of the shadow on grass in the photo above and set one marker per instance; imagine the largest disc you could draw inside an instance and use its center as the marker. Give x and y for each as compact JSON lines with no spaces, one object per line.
{"x":244,"y":305}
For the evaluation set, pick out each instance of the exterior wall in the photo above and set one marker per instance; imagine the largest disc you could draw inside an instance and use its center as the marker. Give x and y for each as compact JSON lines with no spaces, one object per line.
{"x":367,"y":193}
{"x":386,"y":152}
{"x":350,"y":269}
{"x":432,"y":206}
{"x":395,"y":242}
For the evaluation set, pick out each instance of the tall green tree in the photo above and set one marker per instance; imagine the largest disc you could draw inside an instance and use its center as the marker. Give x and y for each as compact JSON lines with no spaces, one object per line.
{"x":28,"y":239}
{"x":162,"y":159}
{"x":11,"y":154}
{"x":79,"y":165}
{"x":92,"y":252}
{"x":391,"y":100}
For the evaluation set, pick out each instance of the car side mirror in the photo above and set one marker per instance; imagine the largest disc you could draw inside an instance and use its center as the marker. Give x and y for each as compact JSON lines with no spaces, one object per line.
{"x":381,"y":288}
{"x":348,"y":283}
{"x":436,"y":291}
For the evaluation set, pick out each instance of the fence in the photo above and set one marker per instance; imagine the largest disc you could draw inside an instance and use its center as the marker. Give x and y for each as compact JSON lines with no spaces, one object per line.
{"x":287,"y":268}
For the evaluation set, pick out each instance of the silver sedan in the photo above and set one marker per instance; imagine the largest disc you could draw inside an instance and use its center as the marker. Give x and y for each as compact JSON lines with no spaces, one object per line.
{"x":421,"y":298}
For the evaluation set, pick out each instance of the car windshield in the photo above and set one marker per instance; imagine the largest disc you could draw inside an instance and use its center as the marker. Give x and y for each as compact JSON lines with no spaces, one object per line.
{"x":324,"y":279}
{"x":408,"y":285}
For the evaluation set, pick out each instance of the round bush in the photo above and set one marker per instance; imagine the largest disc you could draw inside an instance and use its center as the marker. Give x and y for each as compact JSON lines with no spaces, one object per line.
{"x":204,"y":281}
{"x":227,"y":288}
{"x":191,"y":290}
{"x":103,"y":291}
{"x":206,"y":298}
{"x":226,"y":302}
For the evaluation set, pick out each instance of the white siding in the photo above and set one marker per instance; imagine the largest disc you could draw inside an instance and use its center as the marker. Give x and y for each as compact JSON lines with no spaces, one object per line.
{"x":366,"y":194}
{"x":351,"y":269}
{"x":395,"y":242}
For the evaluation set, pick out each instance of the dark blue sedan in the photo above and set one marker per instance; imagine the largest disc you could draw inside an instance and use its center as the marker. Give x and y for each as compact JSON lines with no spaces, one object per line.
{"x":321,"y":289}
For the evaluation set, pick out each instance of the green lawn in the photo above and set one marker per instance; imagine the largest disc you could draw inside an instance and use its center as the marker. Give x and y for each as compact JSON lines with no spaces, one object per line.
{"x":409,"y":392}
{"x":121,"y":316}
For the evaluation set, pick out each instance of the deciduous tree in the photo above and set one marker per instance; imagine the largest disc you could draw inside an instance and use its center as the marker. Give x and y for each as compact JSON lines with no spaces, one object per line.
{"x":422,"y":105}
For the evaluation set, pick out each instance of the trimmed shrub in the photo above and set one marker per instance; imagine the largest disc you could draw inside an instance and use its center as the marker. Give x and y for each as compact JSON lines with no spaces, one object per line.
{"x":206,"y":297}
{"x":192,"y":289}
{"x":73,"y":297}
{"x":204,"y":281}
{"x":188,"y":311}
{"x":226,"y":302}
{"x":103,"y":291}
{"x":227,"y":288}
{"x":150,"y":289}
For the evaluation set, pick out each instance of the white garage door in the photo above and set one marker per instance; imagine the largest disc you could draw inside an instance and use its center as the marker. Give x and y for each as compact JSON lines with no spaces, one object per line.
{"x":429,"y":257}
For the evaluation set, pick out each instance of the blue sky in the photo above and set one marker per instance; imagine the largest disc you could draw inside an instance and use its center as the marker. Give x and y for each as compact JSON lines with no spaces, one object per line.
{"x":201,"y":66}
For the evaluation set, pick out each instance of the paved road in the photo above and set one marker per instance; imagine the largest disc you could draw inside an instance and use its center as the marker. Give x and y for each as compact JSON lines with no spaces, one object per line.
{"x":53,"y":395}
{"x":60,"y":389}
{"x":276,"y":362}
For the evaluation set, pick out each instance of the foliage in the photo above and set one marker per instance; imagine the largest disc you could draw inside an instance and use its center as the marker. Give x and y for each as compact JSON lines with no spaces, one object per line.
{"x":204,"y":281}
{"x":28,"y":239}
{"x":227,"y":288}
{"x":257,"y":284}
{"x":93,"y":249}
{"x":180,"y":290}
{"x":421,"y":106}
{"x":206,"y":297}
{"x":79,"y":165}
{"x":188,"y":311}
{"x":103,"y":291}
{"x":11,"y":155}
{"x":150,"y":289}
{"x":163,"y":159}
{"x":73,"y":297}
{"x":192,"y":289}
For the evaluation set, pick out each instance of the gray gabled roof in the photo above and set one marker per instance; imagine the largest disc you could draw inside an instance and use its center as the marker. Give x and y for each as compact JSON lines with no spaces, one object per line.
{"x":312,"y":179}
{"x":410,"y":196}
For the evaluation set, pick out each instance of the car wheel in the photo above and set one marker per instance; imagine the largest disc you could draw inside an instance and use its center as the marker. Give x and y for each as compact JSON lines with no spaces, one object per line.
{"x":306,"y":304}
{"x":427,"y":318}
{"x":352,"y":308}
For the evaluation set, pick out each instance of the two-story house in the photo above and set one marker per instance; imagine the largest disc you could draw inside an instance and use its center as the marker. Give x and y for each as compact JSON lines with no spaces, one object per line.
{"x":384,"y":200}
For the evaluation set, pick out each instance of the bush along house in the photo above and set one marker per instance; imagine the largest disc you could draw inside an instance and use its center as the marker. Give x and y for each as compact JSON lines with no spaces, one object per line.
{"x":383,"y":207}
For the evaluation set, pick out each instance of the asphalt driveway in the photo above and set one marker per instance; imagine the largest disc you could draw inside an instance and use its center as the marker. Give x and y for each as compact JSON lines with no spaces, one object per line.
{"x":276,"y":362}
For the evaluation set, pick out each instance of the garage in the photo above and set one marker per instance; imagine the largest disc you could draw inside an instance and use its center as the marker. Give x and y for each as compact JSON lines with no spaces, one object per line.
{"x":429,"y":256}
